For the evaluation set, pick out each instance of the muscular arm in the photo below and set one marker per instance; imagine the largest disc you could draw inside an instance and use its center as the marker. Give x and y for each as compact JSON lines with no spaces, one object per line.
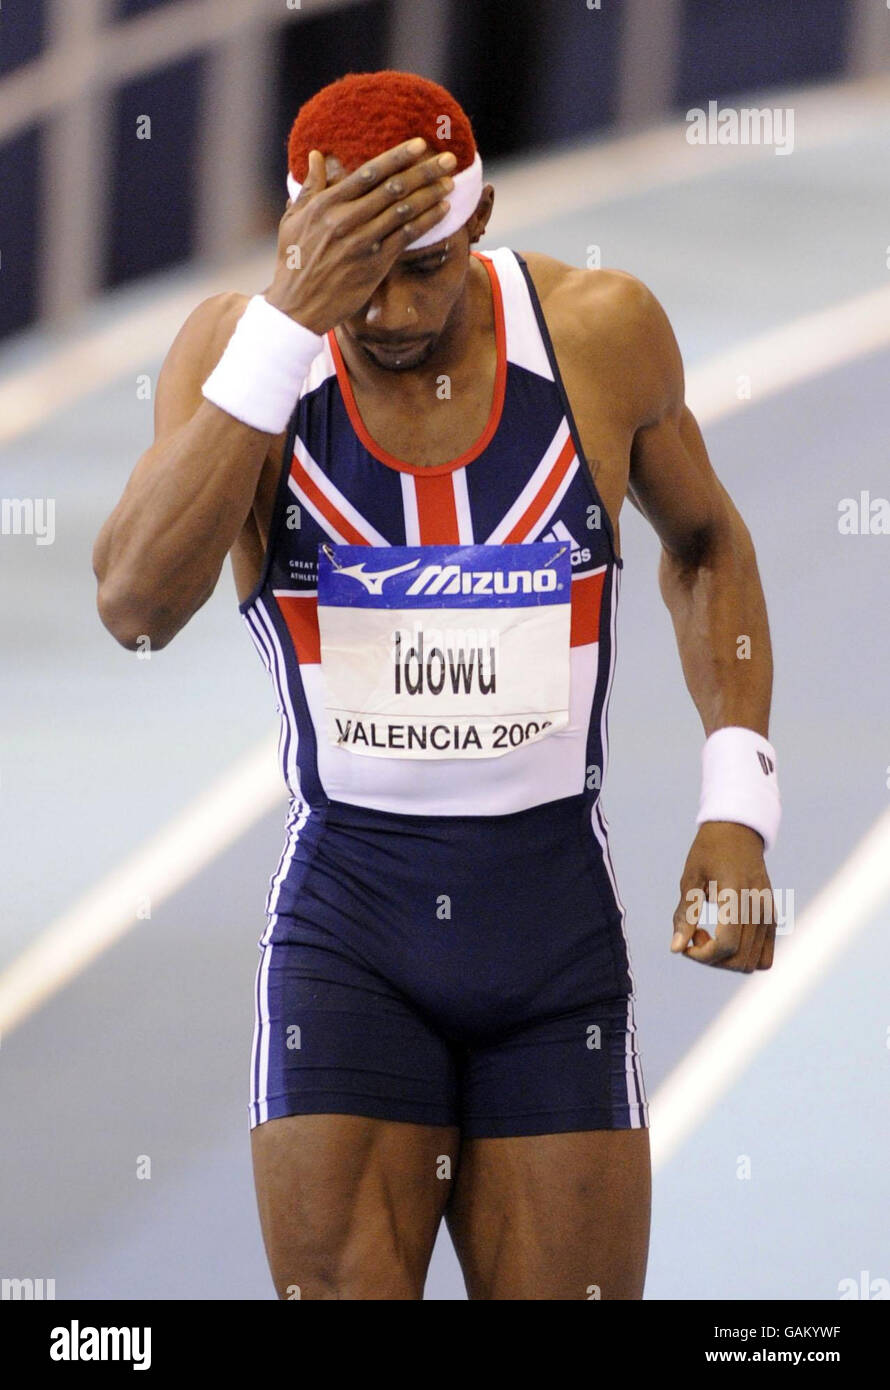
{"x":709,"y":581}
{"x":708,"y":570}
{"x":159,"y":555}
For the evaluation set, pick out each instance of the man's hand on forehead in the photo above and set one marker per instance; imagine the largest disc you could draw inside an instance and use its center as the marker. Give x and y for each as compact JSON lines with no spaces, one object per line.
{"x":407,"y":166}
{"x":350,"y":232}
{"x":391,"y":191}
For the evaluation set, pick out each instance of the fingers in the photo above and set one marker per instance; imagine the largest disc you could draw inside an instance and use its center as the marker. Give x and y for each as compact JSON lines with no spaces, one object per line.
{"x":376,"y":170}
{"x":388,"y":207}
{"x":410,"y":231}
{"x":386,"y":204}
{"x":734,"y":946}
{"x":758,"y":934}
{"x":747,"y":953}
{"x":761,"y":933}
{"x":316,"y":179}
{"x":687,"y":916}
{"x":725,"y":871}
{"x":400,"y":225}
{"x":402,"y":187}
{"x":690,"y":937}
{"x":767,"y":951}
{"x":719,"y":949}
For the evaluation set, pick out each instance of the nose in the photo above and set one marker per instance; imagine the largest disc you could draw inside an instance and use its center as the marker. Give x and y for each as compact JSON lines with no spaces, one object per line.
{"x":390,"y":310}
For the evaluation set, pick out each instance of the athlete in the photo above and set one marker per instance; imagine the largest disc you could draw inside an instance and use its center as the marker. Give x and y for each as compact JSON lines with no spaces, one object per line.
{"x":416,"y":455}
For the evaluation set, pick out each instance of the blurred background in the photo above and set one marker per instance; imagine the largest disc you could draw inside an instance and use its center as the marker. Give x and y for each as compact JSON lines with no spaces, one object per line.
{"x":95,"y":206}
{"x":142,"y":168}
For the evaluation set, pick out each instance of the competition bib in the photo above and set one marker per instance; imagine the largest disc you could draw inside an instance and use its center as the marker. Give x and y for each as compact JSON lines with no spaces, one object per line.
{"x":444,"y":651}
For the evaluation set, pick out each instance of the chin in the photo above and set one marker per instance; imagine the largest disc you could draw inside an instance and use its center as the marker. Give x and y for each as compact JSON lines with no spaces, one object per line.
{"x":406,"y":364}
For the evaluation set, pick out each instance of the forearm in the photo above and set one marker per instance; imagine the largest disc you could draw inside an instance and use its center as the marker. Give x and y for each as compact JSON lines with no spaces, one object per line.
{"x":718,"y":610}
{"x":159,"y":555}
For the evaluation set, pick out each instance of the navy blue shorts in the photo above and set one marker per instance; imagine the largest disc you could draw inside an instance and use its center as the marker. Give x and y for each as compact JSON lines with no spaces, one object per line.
{"x":468,"y":971}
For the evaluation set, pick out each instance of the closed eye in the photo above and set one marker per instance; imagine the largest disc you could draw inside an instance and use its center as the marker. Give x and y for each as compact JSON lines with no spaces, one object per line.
{"x":426,"y":267}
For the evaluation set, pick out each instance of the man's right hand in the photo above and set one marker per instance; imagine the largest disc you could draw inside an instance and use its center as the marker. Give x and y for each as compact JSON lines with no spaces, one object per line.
{"x":346,"y":237}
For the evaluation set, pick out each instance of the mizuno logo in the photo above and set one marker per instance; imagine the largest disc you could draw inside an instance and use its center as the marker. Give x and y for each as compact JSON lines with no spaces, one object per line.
{"x":451,"y":579}
{"x":374,"y":582}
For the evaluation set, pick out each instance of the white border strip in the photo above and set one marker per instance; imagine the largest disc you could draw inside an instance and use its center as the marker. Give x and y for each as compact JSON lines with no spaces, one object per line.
{"x":838,"y":913}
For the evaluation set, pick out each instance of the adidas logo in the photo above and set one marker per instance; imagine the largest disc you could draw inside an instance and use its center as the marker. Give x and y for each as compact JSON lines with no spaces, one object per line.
{"x":766,"y":763}
{"x":560,"y":532}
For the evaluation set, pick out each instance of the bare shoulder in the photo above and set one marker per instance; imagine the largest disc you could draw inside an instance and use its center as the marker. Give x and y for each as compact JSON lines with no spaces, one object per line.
{"x":596,"y":316}
{"x":195,"y":351}
{"x":201,"y":340}
{"x":586,"y":300}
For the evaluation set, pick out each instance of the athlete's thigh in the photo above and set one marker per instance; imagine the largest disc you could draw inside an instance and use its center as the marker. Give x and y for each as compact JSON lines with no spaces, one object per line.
{"x":350,"y":1206}
{"x":553,"y":1216}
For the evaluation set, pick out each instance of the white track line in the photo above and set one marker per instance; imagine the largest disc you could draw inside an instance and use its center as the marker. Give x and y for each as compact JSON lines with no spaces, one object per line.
{"x":218,"y":817}
{"x":170,"y":859}
{"x":840,"y":910}
{"x":786,"y":356}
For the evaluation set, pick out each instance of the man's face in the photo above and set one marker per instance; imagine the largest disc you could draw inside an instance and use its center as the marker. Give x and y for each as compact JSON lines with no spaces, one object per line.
{"x":402,"y":322}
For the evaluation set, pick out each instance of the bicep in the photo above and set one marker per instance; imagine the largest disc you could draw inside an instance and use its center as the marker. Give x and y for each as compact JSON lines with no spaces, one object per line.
{"x":671,"y":481}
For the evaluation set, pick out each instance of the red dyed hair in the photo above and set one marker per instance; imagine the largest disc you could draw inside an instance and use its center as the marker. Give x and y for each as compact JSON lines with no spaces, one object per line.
{"x":366,"y":113}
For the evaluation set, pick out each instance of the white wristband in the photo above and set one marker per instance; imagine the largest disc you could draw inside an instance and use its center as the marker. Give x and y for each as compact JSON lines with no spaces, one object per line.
{"x":266,"y":361}
{"x":739,"y":782}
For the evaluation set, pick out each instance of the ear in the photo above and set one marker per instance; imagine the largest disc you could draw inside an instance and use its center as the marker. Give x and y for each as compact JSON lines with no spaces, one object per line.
{"x":479,"y":221}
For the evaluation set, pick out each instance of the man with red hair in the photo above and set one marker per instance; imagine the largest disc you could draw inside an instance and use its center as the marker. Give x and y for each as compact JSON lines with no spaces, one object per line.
{"x":416,"y":455}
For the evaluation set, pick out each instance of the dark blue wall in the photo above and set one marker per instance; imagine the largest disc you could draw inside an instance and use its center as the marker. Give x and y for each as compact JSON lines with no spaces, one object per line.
{"x":126,"y":9}
{"x":534,"y":71}
{"x":22,"y":31}
{"x":152,"y":204}
{"x":19,"y":161}
{"x":734,"y":47}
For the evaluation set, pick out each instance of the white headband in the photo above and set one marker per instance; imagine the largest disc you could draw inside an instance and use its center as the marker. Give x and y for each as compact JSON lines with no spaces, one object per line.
{"x":464,"y":199}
